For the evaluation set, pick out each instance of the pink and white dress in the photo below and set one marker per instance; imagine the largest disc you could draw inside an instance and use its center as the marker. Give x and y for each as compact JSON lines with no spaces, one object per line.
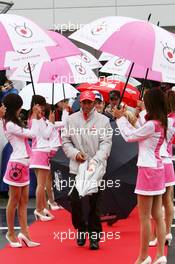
{"x":150,"y":178}
{"x":166,"y":152}
{"x":17,"y":172}
{"x":41,"y":145}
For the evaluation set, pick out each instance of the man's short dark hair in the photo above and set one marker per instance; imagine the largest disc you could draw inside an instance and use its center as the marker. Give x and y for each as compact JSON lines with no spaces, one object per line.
{"x":114,"y":94}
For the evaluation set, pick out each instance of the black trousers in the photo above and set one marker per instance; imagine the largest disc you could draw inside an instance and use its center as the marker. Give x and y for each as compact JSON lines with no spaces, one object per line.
{"x":78,"y":221}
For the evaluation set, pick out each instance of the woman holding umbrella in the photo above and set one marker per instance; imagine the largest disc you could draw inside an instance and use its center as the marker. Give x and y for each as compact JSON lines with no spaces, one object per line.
{"x":17,"y":172}
{"x":39,"y":159}
{"x":166,"y":153}
{"x":150,"y":179}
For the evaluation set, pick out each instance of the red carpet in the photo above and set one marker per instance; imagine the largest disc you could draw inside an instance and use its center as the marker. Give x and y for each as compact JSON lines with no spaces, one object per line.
{"x":118,"y":251}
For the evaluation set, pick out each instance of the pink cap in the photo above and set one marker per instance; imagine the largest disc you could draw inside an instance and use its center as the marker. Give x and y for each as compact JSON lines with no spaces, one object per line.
{"x":87,"y":95}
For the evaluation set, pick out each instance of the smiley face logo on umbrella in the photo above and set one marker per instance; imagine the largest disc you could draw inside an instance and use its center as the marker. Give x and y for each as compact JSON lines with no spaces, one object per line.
{"x":23,"y":31}
{"x":99,"y":29}
{"x":24,"y":51}
{"x":54,"y":77}
{"x":26,"y":68}
{"x":85,"y":58}
{"x":80,"y":69}
{"x":118,"y":62}
{"x":169,"y":53}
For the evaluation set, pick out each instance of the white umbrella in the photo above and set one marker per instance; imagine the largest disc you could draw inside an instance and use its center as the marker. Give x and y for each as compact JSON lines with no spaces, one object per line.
{"x":121,"y":78}
{"x":46,"y":90}
{"x":64,"y":70}
{"x":20,"y":34}
{"x":136,"y":40}
{"x":89,"y":59}
{"x":117,"y":65}
{"x":105,"y":56}
{"x":30,"y":55}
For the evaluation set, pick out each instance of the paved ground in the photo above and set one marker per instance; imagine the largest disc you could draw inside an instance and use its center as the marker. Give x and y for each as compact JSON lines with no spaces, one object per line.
{"x":31,"y":207}
{"x":3,"y":225}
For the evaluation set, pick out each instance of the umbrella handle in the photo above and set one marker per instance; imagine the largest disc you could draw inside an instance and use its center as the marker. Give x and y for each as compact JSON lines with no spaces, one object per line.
{"x":149,"y":17}
{"x":146,"y":75}
{"x":64,"y":92}
{"x":143,"y":84}
{"x":126,"y":83}
{"x":31,"y":77}
{"x":53,"y":90}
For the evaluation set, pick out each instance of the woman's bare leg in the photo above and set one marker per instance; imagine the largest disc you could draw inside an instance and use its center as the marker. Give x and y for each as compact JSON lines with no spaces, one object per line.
{"x":14,"y":198}
{"x":41,"y":175}
{"x":144,"y":207}
{"x":157,"y":215}
{"x":169,"y":208}
{"x":22,"y":210}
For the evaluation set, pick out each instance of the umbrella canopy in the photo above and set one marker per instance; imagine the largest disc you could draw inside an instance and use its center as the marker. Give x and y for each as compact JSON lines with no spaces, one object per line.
{"x":64,"y":48}
{"x":105,"y":56}
{"x":31,"y":55}
{"x":105,"y":86}
{"x":136,"y":40}
{"x":122,"y":78}
{"x":19,"y":33}
{"x":65,"y":70}
{"x":118,"y":65}
{"x":89,"y":59}
{"x":46,"y":90}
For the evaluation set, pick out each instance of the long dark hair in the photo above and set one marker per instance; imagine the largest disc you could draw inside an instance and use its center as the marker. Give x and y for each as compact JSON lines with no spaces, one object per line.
{"x":170,"y":99}
{"x":37,"y":99}
{"x":13,"y":102}
{"x":155,"y":104}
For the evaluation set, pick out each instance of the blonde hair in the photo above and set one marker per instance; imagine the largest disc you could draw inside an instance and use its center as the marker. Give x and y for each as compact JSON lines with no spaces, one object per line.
{"x":131,"y":117}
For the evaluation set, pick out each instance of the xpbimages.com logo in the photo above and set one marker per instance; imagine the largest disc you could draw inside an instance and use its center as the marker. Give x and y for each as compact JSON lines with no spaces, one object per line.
{"x":61,"y":184}
{"x":71,"y":27}
{"x":71,"y":235}
{"x":92,"y":131}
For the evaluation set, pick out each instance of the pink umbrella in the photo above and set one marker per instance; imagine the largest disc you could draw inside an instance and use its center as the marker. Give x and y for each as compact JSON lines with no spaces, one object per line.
{"x":65,"y":70}
{"x":136,"y":40}
{"x":19,"y":33}
{"x":23,"y":41}
{"x":64,"y":48}
{"x":30,"y":56}
{"x":120,"y":66}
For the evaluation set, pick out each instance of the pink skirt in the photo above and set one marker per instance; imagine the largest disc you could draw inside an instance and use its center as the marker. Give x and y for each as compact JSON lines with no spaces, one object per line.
{"x":52,"y":153}
{"x":169,"y":174}
{"x":150,"y":181}
{"x":17,"y":174}
{"x":39,"y":160}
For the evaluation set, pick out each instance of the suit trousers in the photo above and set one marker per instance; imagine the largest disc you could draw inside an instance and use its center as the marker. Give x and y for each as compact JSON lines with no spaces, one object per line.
{"x":78,"y":221}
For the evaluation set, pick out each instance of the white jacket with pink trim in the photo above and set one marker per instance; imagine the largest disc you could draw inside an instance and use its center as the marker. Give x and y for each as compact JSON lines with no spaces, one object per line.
{"x":17,"y":137}
{"x":43,"y":131}
{"x":150,"y":138}
{"x":167,"y":147}
{"x":55,"y":136}
{"x":55,"y":140}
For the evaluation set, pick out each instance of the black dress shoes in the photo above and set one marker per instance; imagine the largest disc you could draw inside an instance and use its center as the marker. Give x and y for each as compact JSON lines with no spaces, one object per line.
{"x":94,"y":244}
{"x":81,"y":238}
